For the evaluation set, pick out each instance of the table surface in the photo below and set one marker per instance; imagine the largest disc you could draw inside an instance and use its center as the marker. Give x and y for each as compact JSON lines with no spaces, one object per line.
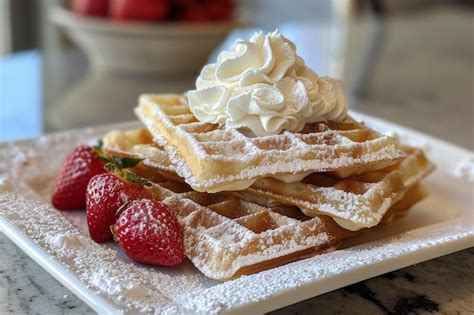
{"x":428,"y":87}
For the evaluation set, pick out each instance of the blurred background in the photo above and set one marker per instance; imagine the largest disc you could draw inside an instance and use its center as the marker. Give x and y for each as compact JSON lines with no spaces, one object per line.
{"x":67,"y":64}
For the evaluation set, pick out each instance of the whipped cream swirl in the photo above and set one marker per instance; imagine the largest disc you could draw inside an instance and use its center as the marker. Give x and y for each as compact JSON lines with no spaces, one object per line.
{"x":263,"y":85}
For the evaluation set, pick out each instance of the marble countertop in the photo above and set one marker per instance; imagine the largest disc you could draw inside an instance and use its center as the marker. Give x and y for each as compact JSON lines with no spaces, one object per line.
{"x":438,"y":99}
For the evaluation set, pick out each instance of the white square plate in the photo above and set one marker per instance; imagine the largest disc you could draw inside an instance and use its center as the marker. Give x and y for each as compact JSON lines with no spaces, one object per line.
{"x":110,"y":283}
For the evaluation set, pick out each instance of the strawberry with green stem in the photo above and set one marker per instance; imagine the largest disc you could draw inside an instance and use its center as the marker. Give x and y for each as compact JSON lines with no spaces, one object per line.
{"x":106,"y":194}
{"x":78,"y":168}
{"x":83,"y":163}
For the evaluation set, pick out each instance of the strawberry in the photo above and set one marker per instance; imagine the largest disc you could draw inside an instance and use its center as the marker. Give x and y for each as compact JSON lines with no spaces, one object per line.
{"x":140,"y":10}
{"x":106,"y":194}
{"x":220,"y":10}
{"x":149,"y":233}
{"x":78,"y":168}
{"x":90,"y":7}
{"x":202,"y":11}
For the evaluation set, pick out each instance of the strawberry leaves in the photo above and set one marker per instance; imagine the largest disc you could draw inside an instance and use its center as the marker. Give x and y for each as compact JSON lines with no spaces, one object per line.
{"x":83,"y":163}
{"x":115,"y":163}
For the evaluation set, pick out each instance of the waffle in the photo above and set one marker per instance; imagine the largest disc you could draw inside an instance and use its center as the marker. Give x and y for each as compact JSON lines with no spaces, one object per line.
{"x":226,"y":237}
{"x":356,"y":202}
{"x":138,"y":143}
{"x":400,"y":209}
{"x":211,"y":158}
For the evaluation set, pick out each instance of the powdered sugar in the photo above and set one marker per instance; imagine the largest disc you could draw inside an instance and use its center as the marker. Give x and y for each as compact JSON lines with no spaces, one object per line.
{"x":465,"y":169}
{"x":351,"y":210}
{"x":214,"y":165}
{"x":27,"y":168}
{"x":322,"y":267}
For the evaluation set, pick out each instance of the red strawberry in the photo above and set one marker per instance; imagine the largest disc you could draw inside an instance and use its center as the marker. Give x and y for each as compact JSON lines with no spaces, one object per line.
{"x":91,"y":7}
{"x":141,"y":10}
{"x":78,"y":168}
{"x":220,"y":10}
{"x":149,"y":233}
{"x":106,"y":193}
{"x":205,"y":10}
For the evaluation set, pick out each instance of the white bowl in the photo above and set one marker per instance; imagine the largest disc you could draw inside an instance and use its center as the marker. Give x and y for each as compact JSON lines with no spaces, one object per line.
{"x":156,"y":48}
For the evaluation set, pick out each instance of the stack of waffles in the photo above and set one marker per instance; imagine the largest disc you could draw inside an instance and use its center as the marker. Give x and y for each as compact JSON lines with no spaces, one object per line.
{"x":249,"y":203}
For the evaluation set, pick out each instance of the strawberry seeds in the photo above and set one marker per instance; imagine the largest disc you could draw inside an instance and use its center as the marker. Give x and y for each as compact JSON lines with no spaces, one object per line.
{"x":118,"y":202}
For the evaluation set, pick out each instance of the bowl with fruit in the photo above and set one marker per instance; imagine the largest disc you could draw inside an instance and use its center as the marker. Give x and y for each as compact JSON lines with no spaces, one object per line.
{"x":147,"y":36}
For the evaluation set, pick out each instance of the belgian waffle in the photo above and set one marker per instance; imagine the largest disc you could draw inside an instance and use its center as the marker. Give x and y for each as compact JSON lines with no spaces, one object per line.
{"x":226,"y":237}
{"x":356,"y":202}
{"x":211,"y":158}
{"x":138,"y":143}
{"x":401,"y":208}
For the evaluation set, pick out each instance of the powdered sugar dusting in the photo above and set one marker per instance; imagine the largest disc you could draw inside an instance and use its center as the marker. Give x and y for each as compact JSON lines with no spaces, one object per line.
{"x":225,"y":237}
{"x":351,"y":208}
{"x":322,"y":267}
{"x":26,"y":173}
{"x":246,"y":158}
{"x":465,"y":169}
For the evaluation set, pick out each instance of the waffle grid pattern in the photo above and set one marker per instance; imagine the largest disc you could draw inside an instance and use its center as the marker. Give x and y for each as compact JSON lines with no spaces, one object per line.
{"x":209,"y":156}
{"x":137,"y":143}
{"x":226,"y":237}
{"x":230,"y":234}
{"x":356,"y":202}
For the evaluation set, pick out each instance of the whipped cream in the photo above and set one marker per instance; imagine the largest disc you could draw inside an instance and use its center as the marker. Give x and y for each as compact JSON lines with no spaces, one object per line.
{"x":263,"y":85}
